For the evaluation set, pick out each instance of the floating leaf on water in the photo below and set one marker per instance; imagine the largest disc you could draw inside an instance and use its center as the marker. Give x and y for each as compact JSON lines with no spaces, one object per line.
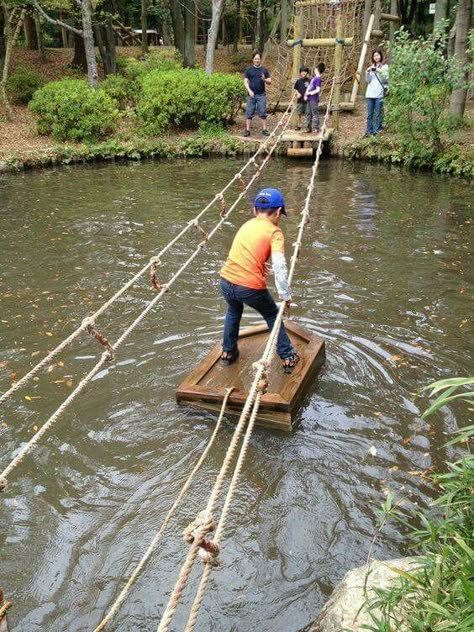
{"x":69,"y":383}
{"x":28,"y":398}
{"x":377,"y":413}
{"x":48,"y":333}
{"x":60,"y":363}
{"x":406,"y":440}
{"x":373,"y":450}
{"x":35,"y":353}
{"x":58,"y":381}
{"x":35,"y":428}
{"x":394,"y":468}
{"x":396,"y":358}
{"x":4,"y":424}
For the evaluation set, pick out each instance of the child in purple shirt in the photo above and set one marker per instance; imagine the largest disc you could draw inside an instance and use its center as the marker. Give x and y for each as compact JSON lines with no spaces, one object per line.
{"x":312,"y":97}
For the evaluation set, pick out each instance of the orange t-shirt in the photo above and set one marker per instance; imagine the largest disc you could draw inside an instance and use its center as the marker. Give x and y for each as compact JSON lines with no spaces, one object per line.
{"x":251,"y":248}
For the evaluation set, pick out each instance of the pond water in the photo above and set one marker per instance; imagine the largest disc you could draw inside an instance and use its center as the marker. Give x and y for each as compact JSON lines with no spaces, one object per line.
{"x":383,"y":277}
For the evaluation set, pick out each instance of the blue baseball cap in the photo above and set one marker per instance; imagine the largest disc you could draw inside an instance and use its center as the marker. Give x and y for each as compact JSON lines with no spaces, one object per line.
{"x":268,"y":199}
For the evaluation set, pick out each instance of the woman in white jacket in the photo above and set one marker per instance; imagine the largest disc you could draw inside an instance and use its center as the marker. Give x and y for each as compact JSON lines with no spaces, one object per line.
{"x":376,"y":77}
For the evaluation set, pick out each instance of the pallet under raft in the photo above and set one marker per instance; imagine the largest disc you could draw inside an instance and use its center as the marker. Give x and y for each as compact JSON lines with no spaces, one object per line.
{"x":204,"y":388}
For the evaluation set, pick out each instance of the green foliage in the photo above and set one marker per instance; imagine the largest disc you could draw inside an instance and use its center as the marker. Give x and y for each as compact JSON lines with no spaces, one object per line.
{"x":187,"y":98}
{"x":23,"y":83}
{"x":450,"y":159}
{"x":164,"y":60}
{"x":122,"y":90}
{"x":421,"y":80}
{"x":72,"y":110}
{"x":439,"y":594}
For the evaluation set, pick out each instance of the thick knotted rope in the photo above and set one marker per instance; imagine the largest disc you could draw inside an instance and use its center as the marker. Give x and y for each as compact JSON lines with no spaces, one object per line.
{"x":126,"y":589}
{"x":256,"y":393}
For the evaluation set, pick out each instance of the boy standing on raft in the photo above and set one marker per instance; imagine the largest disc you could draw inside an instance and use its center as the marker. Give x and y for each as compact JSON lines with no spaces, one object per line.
{"x":243,"y":276}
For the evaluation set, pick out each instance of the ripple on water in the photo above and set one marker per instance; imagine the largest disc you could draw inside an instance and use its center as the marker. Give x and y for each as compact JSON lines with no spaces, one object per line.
{"x":382,"y":278}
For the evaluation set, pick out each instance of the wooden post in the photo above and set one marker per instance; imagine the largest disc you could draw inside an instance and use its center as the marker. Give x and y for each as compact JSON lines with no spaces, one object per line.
{"x":377,"y":31}
{"x":284,"y":21}
{"x":298,"y":34}
{"x":363,"y":54}
{"x":337,"y":69}
{"x":393,"y":25}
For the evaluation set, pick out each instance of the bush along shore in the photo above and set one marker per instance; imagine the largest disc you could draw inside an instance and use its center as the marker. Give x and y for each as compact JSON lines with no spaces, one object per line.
{"x":157,"y":109}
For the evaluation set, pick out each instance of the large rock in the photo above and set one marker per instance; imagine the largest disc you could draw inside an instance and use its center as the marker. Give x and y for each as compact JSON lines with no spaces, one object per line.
{"x":343,"y":609}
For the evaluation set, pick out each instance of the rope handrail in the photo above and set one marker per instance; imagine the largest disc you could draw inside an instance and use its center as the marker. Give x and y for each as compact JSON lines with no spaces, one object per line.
{"x":164,"y":288}
{"x":252,"y":402}
{"x":76,"y":333}
{"x":140,"y":566}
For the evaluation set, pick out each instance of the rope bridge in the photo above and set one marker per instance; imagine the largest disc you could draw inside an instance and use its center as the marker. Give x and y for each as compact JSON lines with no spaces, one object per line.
{"x":197,"y":533}
{"x":88,"y":324}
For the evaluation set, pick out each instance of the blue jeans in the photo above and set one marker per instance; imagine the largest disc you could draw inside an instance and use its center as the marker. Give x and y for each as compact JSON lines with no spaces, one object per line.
{"x":312,"y":116}
{"x":258,"y":104}
{"x":236,"y":297}
{"x":374,"y":106}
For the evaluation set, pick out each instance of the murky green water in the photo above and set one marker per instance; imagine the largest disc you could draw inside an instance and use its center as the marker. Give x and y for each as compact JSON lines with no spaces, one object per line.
{"x":385,"y":278}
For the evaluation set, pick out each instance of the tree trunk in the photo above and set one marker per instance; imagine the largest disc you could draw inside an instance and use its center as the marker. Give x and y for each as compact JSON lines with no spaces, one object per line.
{"x":11,"y":37}
{"x":88,"y":35}
{"x":284,"y":21}
{"x":217,"y":7}
{"x":31,"y":39}
{"x":393,"y":26}
{"x":178,"y":25}
{"x":105,"y":38}
{"x":189,"y":56}
{"x":79,"y":60}
{"x":144,"y":27}
{"x":238,"y":27}
{"x":259,"y":27}
{"x":39,"y":38}
{"x":441,"y":13}
{"x":64,"y":33}
{"x":461,"y":54}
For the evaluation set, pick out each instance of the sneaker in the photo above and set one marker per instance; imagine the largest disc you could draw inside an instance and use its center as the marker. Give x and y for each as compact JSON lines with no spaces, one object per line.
{"x":246,"y":133}
{"x":265,"y":132}
{"x":316,"y":131}
{"x":297,"y":129}
{"x":307,"y":131}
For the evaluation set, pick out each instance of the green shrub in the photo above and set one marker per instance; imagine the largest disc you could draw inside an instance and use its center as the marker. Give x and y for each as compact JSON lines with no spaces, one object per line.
{"x":122,"y":90}
{"x":23,"y":83}
{"x":438,"y":595}
{"x":72,"y":110}
{"x":421,"y":80}
{"x":187,"y":98}
{"x":163,"y":60}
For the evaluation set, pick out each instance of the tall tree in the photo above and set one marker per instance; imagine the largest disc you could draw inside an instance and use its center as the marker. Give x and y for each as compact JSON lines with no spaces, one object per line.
{"x":441,"y":13}
{"x":183,"y":20}
{"x":86,"y":33}
{"x":461,"y":53}
{"x":217,"y":7}
{"x":105,"y":36}
{"x":11,"y":36}
{"x":238,"y":26}
{"x":144,"y":21}
{"x":29,"y":27}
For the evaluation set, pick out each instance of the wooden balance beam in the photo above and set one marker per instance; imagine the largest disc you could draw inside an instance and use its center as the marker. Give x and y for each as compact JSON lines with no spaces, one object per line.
{"x":204,"y":388}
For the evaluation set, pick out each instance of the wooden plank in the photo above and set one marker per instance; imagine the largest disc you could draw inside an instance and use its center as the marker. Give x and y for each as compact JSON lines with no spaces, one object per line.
{"x":205,"y":386}
{"x":291,"y":136}
{"x":329,"y":42}
{"x":389,"y":17}
{"x":300,"y":152}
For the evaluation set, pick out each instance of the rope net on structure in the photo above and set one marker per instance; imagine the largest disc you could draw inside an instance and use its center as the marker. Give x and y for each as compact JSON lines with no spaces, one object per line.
{"x":318,"y":21}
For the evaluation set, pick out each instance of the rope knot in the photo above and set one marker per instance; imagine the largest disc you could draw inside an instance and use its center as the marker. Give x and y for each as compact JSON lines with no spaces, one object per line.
{"x":155,"y":261}
{"x":263,"y":385}
{"x":265,"y":364}
{"x":3,"y":484}
{"x":209,"y":553}
{"x":88,"y":323}
{"x":202,"y":524}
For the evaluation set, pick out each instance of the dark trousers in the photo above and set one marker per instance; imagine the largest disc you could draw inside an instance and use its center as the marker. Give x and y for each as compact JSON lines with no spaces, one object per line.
{"x":236,"y":296}
{"x":374,"y":106}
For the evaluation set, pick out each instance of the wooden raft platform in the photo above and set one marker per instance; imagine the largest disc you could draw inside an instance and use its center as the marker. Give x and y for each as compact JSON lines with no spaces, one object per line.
{"x":204,"y":388}
{"x":302,"y":144}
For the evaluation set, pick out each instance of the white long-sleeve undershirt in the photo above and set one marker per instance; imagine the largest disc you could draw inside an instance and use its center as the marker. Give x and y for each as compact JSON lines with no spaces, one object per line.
{"x":281,"y":275}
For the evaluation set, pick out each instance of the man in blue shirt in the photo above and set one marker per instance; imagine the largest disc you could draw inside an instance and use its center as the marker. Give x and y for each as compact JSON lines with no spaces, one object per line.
{"x":255,"y":80}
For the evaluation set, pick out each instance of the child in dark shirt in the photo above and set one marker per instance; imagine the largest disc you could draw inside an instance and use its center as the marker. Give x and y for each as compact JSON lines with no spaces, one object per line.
{"x":300,"y":87}
{"x":312,"y":98}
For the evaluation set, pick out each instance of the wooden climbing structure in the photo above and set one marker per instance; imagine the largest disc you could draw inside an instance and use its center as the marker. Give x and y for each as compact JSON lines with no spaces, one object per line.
{"x":206,"y":385}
